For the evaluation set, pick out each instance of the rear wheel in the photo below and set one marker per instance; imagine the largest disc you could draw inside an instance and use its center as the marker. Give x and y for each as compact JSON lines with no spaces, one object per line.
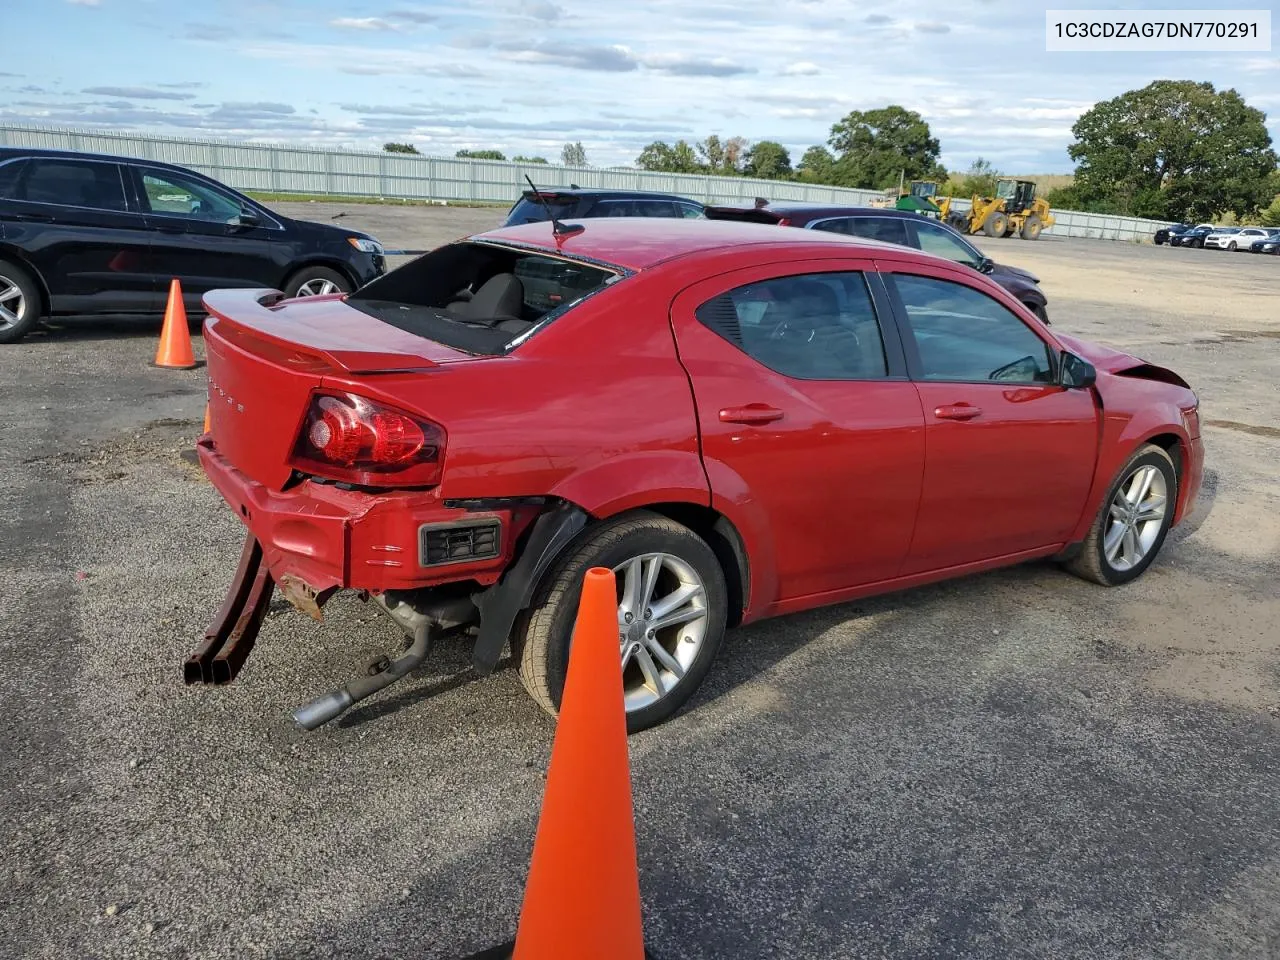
{"x":995,"y":225}
{"x":316,"y":282}
{"x":1031,"y":229}
{"x":672,"y":606}
{"x":19,"y":302}
{"x":1133,"y":521}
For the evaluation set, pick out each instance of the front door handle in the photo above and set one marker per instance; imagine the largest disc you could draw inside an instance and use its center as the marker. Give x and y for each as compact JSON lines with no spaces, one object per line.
{"x":957,"y":411}
{"x":751,"y":413}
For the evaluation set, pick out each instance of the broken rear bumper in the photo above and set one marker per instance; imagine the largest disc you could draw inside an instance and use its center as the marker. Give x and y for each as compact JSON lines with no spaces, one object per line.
{"x":328,"y":538}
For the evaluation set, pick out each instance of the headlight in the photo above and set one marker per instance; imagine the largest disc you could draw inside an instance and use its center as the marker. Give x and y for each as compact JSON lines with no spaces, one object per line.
{"x":365,"y":245}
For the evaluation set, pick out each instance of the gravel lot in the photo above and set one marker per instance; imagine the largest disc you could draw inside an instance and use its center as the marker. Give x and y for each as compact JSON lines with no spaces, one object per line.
{"x":1018,"y":764}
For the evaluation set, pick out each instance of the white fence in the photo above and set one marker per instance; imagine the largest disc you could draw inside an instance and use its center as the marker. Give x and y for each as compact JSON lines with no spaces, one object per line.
{"x":312,"y":170}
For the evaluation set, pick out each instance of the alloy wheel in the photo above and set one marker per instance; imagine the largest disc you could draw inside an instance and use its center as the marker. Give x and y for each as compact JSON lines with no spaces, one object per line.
{"x":318,"y":288}
{"x":13,"y":305}
{"x":1135,"y":518}
{"x":662,"y":624}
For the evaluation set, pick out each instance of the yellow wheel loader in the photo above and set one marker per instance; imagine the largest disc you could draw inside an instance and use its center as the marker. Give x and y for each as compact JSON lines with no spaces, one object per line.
{"x":1014,"y":209}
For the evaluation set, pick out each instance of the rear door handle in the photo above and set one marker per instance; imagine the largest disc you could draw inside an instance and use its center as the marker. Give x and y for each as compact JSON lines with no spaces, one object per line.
{"x":957,"y":411}
{"x":751,"y":413}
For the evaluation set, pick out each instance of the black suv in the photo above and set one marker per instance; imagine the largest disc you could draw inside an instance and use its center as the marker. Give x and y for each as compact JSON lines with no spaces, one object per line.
{"x":577,"y":202}
{"x":86,"y":233}
{"x":903,"y":227}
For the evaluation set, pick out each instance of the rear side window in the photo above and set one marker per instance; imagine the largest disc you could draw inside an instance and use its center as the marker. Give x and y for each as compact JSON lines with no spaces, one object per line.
{"x":72,"y":183}
{"x":888,"y":229}
{"x":634,"y":208}
{"x":818,"y":326}
{"x":9,"y":178}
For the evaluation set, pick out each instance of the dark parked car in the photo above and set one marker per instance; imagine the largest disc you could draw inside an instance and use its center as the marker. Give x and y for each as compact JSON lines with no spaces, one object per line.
{"x":1164,"y":234}
{"x":85,"y":233}
{"x":1270,"y":245}
{"x":902,"y":227}
{"x":577,"y":202}
{"x":1191,"y":238}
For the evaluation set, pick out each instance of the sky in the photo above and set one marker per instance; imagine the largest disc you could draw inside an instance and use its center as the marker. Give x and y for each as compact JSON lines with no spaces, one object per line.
{"x":526,"y":76}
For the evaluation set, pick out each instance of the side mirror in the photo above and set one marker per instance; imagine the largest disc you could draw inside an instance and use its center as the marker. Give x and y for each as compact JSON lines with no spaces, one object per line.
{"x":1076,"y":372}
{"x":249,"y":217}
{"x":986,"y":265}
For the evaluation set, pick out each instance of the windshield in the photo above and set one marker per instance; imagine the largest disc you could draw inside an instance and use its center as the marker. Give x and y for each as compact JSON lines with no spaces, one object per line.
{"x":481,"y":297}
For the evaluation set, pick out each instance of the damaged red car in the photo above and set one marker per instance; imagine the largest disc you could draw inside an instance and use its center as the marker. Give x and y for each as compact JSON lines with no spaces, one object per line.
{"x":742,"y":422}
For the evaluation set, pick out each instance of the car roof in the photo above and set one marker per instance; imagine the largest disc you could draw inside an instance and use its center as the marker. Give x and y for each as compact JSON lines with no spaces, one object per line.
{"x":638,"y":243}
{"x":791,"y":208}
{"x":13,"y":153}
{"x":597,"y":192}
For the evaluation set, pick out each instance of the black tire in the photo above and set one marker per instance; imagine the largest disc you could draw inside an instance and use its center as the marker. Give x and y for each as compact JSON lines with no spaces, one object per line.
{"x":996,"y":225}
{"x":540,"y":641}
{"x":316,"y":275}
{"x":1199,"y":243}
{"x":1092,"y":563}
{"x":1031,"y":228}
{"x":25,"y":316}
{"x":1232,"y":246}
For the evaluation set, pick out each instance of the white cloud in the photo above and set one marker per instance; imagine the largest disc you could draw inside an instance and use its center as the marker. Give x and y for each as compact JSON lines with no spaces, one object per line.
{"x":84,"y":3}
{"x":801,"y":68}
{"x":363,"y":23}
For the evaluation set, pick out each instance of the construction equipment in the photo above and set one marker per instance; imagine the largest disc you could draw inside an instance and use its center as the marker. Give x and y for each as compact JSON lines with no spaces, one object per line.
{"x":918,"y":197}
{"x":1014,"y":209}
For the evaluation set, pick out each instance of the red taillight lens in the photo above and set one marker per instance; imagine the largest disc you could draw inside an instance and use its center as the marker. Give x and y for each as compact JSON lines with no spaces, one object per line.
{"x":350,"y":438}
{"x":784,"y":222}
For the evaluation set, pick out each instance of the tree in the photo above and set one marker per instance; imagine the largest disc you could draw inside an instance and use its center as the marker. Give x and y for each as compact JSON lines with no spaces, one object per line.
{"x":817,"y":165}
{"x":574,"y":154}
{"x":519,"y":159}
{"x":660,"y":156}
{"x":876,"y":147}
{"x":480,"y":155}
{"x":768,"y":160}
{"x":979,"y":180}
{"x":1174,"y":150}
{"x":723,"y":158}
{"x":399,"y":148}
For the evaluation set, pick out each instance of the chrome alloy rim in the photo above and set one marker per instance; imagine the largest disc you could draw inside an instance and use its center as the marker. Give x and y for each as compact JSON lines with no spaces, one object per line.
{"x":13,"y":305}
{"x":662,"y":624}
{"x":1135,"y":518}
{"x":318,"y":288}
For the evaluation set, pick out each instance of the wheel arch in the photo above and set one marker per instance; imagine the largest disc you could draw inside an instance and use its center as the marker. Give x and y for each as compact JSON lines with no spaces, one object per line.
{"x":319,"y":260}
{"x":725,"y":542}
{"x":14,"y":254}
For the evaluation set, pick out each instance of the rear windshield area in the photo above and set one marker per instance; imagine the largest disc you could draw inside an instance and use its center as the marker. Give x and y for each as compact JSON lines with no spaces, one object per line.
{"x":480,"y":297}
{"x":528,"y":209}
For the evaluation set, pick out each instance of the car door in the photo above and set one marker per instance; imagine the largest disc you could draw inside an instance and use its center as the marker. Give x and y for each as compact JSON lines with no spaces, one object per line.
{"x":72,"y":219}
{"x":806,"y":416}
{"x":1009,"y":452}
{"x":199,"y":239}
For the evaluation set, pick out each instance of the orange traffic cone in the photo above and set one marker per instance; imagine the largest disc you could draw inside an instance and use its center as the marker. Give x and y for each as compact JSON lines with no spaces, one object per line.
{"x":582,"y":898}
{"x":206,"y":418}
{"x":174,"y":350}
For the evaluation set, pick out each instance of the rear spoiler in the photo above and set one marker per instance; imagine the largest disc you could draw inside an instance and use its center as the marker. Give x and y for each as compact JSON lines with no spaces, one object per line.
{"x":323,"y":340}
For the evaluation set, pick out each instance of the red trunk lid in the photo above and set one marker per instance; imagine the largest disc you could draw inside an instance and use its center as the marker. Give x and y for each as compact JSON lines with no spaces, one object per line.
{"x":266,"y":357}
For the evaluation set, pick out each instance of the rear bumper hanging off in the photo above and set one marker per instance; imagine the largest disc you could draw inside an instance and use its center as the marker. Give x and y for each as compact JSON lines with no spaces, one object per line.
{"x":231,"y":635}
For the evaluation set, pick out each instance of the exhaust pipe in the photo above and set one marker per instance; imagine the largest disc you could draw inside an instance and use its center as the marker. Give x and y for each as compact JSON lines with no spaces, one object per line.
{"x":334,"y":704}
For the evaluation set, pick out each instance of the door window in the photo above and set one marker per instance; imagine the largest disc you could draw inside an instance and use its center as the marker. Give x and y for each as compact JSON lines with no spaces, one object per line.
{"x":818,"y":326}
{"x":941,"y":242}
{"x":9,"y":179}
{"x":964,"y":335}
{"x":174,"y":194}
{"x":72,"y":183}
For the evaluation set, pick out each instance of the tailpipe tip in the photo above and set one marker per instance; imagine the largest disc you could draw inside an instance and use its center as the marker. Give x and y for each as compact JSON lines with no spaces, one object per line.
{"x":323,"y":709}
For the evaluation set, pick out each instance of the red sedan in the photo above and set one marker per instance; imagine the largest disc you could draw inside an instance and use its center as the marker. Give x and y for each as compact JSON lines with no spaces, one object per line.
{"x":740,"y":421}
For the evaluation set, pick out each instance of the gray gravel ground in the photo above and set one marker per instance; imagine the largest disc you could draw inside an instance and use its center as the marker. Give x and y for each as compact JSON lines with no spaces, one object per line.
{"x":1018,"y":764}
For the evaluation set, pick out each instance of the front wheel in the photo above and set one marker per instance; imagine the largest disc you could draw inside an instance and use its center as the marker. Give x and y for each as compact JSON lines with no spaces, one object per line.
{"x":672,"y":607}
{"x":1134,"y":519}
{"x":1232,"y":246}
{"x":316,"y":282}
{"x":19,"y":302}
{"x":996,"y":225}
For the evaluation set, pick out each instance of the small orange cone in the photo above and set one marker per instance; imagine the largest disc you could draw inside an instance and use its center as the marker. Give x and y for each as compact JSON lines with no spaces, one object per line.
{"x":174,"y":350}
{"x":206,"y":418}
{"x":582,"y":899}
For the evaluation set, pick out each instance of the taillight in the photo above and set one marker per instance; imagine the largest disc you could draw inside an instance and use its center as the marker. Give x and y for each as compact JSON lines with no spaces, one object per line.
{"x":784,"y":221}
{"x":353,"y":439}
